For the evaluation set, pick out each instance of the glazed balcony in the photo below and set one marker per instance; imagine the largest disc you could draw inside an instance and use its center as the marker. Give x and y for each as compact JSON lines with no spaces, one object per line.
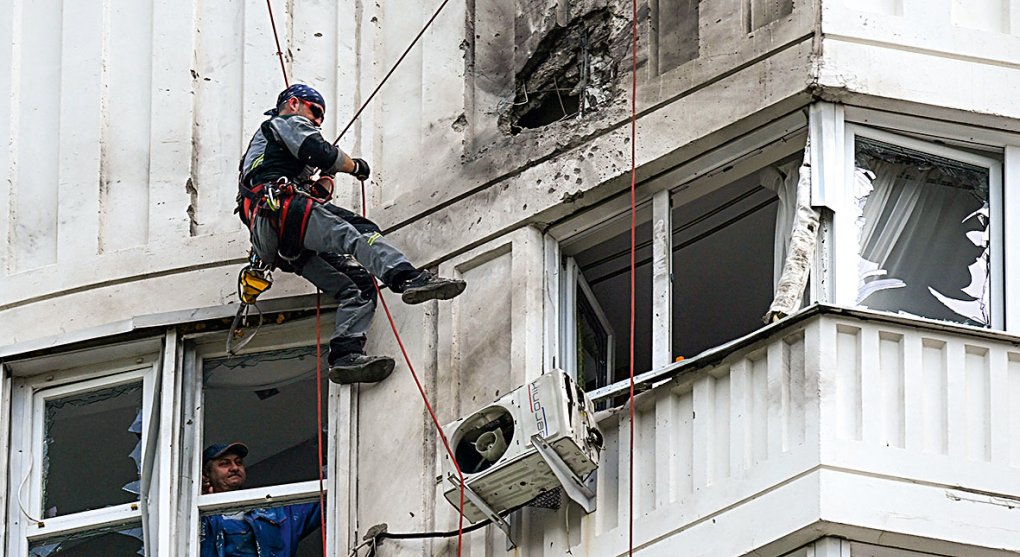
{"x":832,"y":422}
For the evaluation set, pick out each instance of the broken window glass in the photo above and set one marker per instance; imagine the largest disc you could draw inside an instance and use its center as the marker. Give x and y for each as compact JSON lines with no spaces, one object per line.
{"x":923,"y":225}
{"x":266,"y":400}
{"x":725,"y":261}
{"x":120,"y":541}
{"x":233,"y":532}
{"x":92,"y":449}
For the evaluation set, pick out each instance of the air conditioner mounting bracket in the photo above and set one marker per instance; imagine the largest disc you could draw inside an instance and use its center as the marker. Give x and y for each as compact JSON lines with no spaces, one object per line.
{"x":492,"y":515}
{"x":572,"y":485}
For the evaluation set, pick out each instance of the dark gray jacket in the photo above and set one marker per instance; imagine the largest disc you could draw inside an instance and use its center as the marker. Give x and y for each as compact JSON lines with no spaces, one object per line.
{"x":285,"y":146}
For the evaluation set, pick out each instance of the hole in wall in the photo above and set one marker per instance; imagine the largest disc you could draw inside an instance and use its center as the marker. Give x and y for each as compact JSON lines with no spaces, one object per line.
{"x":571,"y":73}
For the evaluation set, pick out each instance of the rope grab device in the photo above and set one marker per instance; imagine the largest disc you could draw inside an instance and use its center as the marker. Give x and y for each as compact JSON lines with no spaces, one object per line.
{"x":254,"y":279}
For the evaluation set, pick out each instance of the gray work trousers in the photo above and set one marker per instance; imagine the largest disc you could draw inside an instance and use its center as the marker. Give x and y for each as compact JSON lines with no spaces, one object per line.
{"x":341,"y":252}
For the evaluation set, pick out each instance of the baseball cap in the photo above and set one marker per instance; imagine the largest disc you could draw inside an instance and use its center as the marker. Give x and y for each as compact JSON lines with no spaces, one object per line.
{"x":219,"y":449}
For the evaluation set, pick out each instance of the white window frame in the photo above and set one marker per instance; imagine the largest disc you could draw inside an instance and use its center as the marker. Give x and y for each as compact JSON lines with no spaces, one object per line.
{"x":685,"y":182}
{"x":193,"y":503}
{"x":25,"y":481}
{"x":844,"y":279}
{"x":573,"y":282}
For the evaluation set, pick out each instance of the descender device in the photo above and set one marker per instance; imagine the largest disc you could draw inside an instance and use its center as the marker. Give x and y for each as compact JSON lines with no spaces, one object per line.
{"x":254,"y":279}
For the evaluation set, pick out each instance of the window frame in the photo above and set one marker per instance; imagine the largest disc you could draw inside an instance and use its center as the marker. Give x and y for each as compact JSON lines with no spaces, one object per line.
{"x":571,"y":284}
{"x":192,"y":504}
{"x":29,"y":393}
{"x":846,"y":245}
{"x":658,"y":194}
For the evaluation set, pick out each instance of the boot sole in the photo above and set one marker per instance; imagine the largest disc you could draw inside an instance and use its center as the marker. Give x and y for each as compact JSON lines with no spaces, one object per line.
{"x":371,"y":372}
{"x":442,"y":292}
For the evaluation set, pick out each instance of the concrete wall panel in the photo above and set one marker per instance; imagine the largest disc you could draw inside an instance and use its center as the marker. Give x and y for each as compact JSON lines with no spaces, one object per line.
{"x":490,"y":336}
{"x":36,"y":177}
{"x":82,"y":110}
{"x":395,"y":456}
{"x":943,"y":53}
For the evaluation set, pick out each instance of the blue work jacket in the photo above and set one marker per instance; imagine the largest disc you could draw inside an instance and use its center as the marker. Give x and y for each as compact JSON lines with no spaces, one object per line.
{"x":276,"y":531}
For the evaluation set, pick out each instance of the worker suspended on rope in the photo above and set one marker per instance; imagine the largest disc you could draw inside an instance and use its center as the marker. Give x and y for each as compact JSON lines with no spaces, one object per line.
{"x":295,"y":228}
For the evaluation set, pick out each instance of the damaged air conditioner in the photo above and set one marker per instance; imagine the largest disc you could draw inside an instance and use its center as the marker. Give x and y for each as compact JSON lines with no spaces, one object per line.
{"x":538,"y":437}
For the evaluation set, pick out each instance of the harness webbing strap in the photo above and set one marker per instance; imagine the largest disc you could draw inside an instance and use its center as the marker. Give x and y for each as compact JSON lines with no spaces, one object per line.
{"x":293,"y":223}
{"x":290,"y":222}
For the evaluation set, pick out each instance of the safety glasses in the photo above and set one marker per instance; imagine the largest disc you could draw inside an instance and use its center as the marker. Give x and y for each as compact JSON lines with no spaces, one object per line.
{"x":314,"y":108}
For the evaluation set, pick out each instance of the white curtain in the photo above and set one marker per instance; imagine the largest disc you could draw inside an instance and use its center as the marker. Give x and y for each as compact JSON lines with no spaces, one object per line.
{"x":923,"y":239}
{"x":782,"y":180}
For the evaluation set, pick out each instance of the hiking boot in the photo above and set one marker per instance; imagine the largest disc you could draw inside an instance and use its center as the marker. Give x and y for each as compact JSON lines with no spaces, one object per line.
{"x":427,"y":286}
{"x":359,"y":368}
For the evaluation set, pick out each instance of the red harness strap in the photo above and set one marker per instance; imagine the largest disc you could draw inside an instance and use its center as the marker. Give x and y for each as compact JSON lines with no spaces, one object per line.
{"x":290,"y":221}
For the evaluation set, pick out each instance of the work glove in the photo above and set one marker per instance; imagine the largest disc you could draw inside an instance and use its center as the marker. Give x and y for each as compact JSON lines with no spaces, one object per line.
{"x":361,"y":169}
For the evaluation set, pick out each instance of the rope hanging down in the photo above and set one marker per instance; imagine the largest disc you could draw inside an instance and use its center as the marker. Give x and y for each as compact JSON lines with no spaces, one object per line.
{"x":421,"y":390}
{"x":633,"y":228}
{"x":279,"y":51}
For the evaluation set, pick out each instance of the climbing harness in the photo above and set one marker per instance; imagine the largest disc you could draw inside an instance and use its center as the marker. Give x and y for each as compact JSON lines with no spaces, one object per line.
{"x":287,"y":207}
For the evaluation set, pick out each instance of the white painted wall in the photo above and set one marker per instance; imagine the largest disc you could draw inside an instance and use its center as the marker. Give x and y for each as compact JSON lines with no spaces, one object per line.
{"x":125,"y":122}
{"x":949,"y":54}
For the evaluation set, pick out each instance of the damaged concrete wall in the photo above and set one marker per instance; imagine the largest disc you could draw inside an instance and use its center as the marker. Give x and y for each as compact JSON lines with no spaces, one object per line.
{"x":566,"y":71}
{"x":139,"y":183}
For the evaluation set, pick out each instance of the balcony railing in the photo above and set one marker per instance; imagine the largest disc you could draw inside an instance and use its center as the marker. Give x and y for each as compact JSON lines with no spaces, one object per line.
{"x":834,"y":421}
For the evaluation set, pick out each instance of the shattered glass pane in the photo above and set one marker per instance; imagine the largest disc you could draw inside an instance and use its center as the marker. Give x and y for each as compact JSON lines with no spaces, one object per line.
{"x":266,"y":400}
{"x":923,"y":234}
{"x":89,"y":448}
{"x":121,"y":541}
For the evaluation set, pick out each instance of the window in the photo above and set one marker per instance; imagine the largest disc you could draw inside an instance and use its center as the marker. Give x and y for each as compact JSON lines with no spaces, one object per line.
{"x":725,"y":261}
{"x":303,"y":517}
{"x":115,"y":542}
{"x":925,"y":216}
{"x":595,"y":299}
{"x":92,"y":448}
{"x":711,"y":243}
{"x":77,"y":484}
{"x":265,"y":400}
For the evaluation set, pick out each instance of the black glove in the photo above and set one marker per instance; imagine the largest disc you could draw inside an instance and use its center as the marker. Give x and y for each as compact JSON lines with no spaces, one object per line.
{"x":361,"y":170}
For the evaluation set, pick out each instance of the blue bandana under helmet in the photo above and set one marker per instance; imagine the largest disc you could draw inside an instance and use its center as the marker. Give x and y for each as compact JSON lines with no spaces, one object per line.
{"x":299,"y":91}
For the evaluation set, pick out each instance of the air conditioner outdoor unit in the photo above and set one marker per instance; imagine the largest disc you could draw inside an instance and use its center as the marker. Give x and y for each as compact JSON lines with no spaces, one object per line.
{"x":536,"y":438}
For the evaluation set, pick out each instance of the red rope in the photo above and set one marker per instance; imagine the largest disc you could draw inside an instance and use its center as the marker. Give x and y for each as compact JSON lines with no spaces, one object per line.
{"x":279,"y":51}
{"x":421,"y":390}
{"x":633,"y":227}
{"x":318,"y":407}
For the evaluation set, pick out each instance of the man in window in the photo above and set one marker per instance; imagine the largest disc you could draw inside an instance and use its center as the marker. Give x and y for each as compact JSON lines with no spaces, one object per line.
{"x":294,"y":227}
{"x":272,"y":532}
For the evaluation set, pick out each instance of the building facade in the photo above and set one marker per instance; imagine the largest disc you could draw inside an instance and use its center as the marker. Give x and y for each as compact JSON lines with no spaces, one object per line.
{"x":880,"y":418}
